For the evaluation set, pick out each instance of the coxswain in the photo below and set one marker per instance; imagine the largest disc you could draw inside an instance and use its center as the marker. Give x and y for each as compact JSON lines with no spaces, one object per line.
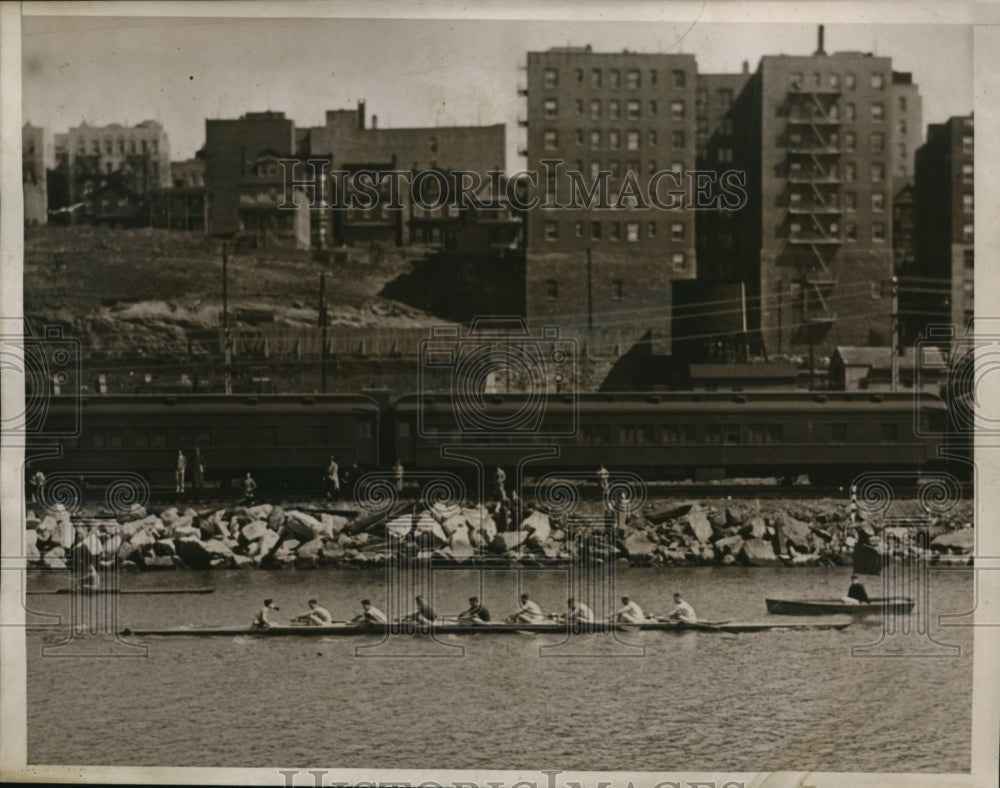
{"x":682,"y":611}
{"x":475,"y":614}
{"x":369,"y":614}
{"x":261,"y":620}
{"x":578,"y":611}
{"x":317,"y":616}
{"x":857,"y":591}
{"x":528,"y":613}
{"x":630,"y":612}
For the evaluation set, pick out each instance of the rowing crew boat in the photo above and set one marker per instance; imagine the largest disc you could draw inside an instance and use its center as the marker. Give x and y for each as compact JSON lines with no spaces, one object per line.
{"x":348,"y":630}
{"x":818,"y":607}
{"x":125,"y":591}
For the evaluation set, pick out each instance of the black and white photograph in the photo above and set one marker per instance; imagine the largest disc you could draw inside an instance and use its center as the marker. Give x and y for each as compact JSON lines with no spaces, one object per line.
{"x":515,"y":395}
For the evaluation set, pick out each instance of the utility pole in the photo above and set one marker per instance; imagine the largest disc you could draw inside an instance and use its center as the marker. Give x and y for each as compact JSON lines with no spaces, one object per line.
{"x":590,"y":292}
{"x":225,"y":320}
{"x":895,"y":333}
{"x":779,"y":315}
{"x":322,"y":324}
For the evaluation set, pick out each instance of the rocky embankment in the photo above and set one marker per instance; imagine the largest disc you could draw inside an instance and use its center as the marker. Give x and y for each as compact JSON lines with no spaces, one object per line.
{"x":664,"y":533}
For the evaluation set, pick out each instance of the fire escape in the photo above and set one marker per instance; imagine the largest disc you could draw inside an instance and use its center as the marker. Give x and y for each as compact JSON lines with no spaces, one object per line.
{"x":813,"y":160}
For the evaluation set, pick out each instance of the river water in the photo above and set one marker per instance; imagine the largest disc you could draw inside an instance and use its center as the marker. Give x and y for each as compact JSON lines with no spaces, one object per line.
{"x":648,"y":701}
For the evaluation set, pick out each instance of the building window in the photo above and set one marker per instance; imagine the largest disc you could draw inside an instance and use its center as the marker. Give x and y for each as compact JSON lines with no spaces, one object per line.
{"x":616,"y":168}
{"x":551,"y":108}
{"x":901,"y":150}
{"x":652,"y":76}
{"x":616,"y":288}
{"x":967,"y":232}
{"x":614,"y":231}
{"x":967,"y":173}
{"x":578,"y":106}
{"x":579,"y":76}
{"x":551,"y":288}
{"x":677,"y":259}
{"x":632,"y":140}
{"x":652,"y":109}
{"x":614,"y":109}
{"x":970,"y":259}
{"x":651,"y":136}
{"x":850,"y":81}
{"x":794,"y":199}
{"x":677,"y":166}
{"x":850,"y":201}
{"x":851,"y":231}
{"x":677,"y":231}
{"x":551,"y":78}
{"x":632,"y":79}
{"x":835,"y":80}
{"x":850,"y":141}
{"x":633,"y":109}
{"x":595,"y":139}
{"x":578,"y":229}
{"x":902,"y":126}
{"x":878,"y":201}
{"x":651,"y":167}
{"x":632,"y":232}
{"x":850,"y":112}
{"x":552,"y":231}
{"x":595,"y":231}
{"x":878,"y":113}
{"x":878,"y":231}
{"x":677,"y":110}
{"x":651,"y":230}
{"x":795,"y":80}
{"x":850,"y":172}
{"x":109,"y":145}
{"x":794,"y":229}
{"x":632,"y":166}
{"x":680,"y":78}
{"x":551,"y":139}
{"x":967,"y":144}
{"x":595,"y":108}
{"x":878,"y":172}
{"x":595,"y":170}
{"x":878,"y":81}
{"x":902,"y":103}
{"x":967,"y":202}
{"x":614,"y":78}
{"x":614,"y":140}
{"x":878,"y":142}
{"x":578,"y":136}
{"x":677,"y":140}
{"x":725,"y":96}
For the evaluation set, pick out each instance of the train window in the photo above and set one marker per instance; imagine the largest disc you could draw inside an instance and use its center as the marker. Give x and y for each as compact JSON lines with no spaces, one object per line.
{"x":140,"y":439}
{"x":597,"y":434}
{"x":689,"y":434}
{"x":113,"y":439}
{"x":158,"y":439}
{"x":403,"y":429}
{"x":890,"y":432}
{"x":713,"y":433}
{"x":670,"y":434}
{"x":267,"y":436}
{"x":97,"y":440}
{"x":731,"y":433}
{"x":203,"y":437}
{"x":185,"y":438}
{"x":756,"y":433}
{"x":365,"y":430}
{"x":925,"y":423}
{"x":775,"y":433}
{"x":838,"y":433}
{"x":317,"y":436}
{"x":631,"y":435}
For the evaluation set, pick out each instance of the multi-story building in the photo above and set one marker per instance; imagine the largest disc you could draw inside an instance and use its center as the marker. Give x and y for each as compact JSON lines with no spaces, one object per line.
{"x":623,"y":125}
{"x":907,"y":123}
{"x":904,"y":246}
{"x":813,"y":246}
{"x":37,"y":158}
{"x":945,"y":217}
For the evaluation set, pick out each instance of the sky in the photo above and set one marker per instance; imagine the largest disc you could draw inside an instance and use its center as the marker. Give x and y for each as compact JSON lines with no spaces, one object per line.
{"x":411,"y":72}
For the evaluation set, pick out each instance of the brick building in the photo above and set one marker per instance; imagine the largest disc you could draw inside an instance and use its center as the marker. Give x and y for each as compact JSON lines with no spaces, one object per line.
{"x":37,"y":158}
{"x":944,"y":205}
{"x":615,"y":119}
{"x":908,"y":124}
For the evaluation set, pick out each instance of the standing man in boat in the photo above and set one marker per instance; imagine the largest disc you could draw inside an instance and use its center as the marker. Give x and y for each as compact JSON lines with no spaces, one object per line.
{"x":317,"y":616}
{"x":475,"y":614}
{"x":528,"y":613}
{"x":261,"y":620}
{"x":369,"y":614}
{"x":630,"y":612}
{"x":682,"y":611}
{"x":579,"y":612}
{"x":857,"y":591}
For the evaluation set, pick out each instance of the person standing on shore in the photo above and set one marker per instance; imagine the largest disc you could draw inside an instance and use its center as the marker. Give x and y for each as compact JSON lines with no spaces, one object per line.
{"x":179,"y":470}
{"x":333,"y":478}
{"x":499,"y":480}
{"x":602,"y":477}
{"x":198,"y":474}
{"x":397,"y":470}
{"x":249,"y":488}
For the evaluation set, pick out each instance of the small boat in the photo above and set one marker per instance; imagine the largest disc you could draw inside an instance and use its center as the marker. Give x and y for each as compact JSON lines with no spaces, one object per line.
{"x":819,"y":607}
{"x":84,"y":590}
{"x":350,"y":629}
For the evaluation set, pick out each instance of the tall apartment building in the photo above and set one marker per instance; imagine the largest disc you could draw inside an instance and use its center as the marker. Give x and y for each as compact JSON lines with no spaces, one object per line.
{"x":613,"y":119}
{"x":813,"y":246}
{"x":944,"y":205}
{"x":37,"y":158}
{"x":907,"y":124}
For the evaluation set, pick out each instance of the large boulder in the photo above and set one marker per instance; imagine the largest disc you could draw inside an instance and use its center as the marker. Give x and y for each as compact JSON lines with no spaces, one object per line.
{"x":260,"y":511}
{"x":730,"y":545}
{"x":794,"y":531}
{"x":510,"y":540}
{"x":460,"y":537}
{"x":242,"y":562}
{"x":331,"y":552}
{"x":673,"y":512}
{"x":757,"y":552}
{"x":305,"y":527}
{"x":164,"y":547}
{"x":142,"y":539}
{"x":50,"y":561}
{"x":638,"y":546}
{"x":251,"y":532}
{"x":698,"y":524}
{"x":218,"y":549}
{"x":135,"y":512}
{"x":333,"y":524}
{"x":537,"y":529}
{"x":756,"y":528}
{"x":456,"y":522}
{"x":193,"y":553}
{"x":441,"y":511}
{"x":128,"y":551}
{"x":308,"y":554}
{"x":275,"y":518}
{"x":169,"y":516}
{"x":962,"y":541}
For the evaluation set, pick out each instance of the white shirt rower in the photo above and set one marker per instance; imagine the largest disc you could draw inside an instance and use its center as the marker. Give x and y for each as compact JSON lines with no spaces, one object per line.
{"x":682,"y":611}
{"x":370,"y":614}
{"x":529,"y":612}
{"x":631,"y":612}
{"x":578,"y":611}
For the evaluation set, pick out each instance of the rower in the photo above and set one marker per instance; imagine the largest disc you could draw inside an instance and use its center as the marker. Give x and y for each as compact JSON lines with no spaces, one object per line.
{"x":261,"y":620}
{"x":317,"y":616}
{"x":475,"y":614}
{"x":528,"y":613}
{"x":630,"y":612}
{"x":579,"y":612}
{"x":423,"y":614}
{"x":91,"y":581}
{"x":370,"y":614}
{"x":682,"y":611}
{"x":857,"y":591}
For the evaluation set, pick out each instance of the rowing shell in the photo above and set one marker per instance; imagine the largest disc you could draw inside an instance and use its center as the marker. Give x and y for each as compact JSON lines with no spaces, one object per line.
{"x":126,"y":591}
{"x":348,"y":630}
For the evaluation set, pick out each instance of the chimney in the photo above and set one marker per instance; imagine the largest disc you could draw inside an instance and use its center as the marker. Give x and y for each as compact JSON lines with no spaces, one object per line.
{"x":746,"y":66}
{"x":374,"y":121}
{"x":361,"y":115}
{"x":819,"y":41}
